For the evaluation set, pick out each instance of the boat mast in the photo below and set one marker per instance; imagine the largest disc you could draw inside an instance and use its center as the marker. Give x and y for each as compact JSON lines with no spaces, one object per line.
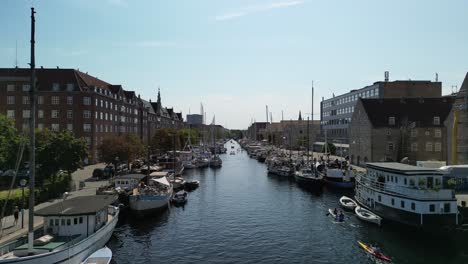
{"x":308,"y":142}
{"x":32,"y":126}
{"x":149,"y":146}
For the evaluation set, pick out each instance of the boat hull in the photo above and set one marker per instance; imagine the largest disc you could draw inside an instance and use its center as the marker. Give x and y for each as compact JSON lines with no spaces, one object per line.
{"x":144,"y":204}
{"x":74,"y":254}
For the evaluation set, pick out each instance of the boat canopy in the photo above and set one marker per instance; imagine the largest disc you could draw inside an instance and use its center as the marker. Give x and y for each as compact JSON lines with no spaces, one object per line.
{"x":162,"y":180}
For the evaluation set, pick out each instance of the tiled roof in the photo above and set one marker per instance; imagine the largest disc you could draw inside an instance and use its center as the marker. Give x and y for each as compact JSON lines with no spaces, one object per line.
{"x":407,"y":110}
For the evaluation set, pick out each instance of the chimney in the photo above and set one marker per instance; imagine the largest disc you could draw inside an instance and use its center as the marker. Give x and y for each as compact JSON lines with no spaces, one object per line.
{"x":386,"y":76}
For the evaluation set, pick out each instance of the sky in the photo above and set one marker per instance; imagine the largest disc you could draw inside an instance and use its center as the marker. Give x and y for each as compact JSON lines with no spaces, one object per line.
{"x":237,"y":56}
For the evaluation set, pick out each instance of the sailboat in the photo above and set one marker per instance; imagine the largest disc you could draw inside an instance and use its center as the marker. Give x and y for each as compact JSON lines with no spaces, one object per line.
{"x":215,"y":161}
{"x":73,"y":228}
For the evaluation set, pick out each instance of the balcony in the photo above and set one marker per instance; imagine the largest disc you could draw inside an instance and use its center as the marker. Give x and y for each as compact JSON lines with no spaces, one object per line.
{"x":409,"y":192}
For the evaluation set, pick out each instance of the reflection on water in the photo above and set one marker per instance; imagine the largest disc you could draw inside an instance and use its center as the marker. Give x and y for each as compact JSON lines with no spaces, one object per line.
{"x":239,"y":214}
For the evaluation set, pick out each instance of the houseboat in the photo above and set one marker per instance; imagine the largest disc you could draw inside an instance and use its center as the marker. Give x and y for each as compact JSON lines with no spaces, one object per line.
{"x":73,"y":229}
{"x":410,"y":195}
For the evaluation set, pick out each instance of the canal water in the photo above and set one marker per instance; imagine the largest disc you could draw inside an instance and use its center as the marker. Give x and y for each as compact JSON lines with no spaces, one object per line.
{"x":239,"y":214}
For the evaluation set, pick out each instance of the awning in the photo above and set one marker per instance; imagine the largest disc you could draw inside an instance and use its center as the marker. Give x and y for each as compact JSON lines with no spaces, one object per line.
{"x":162,"y":180}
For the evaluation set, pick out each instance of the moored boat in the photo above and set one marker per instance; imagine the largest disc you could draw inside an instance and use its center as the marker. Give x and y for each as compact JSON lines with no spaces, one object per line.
{"x":180,"y":198}
{"x":348,"y":203}
{"x":101,"y":256}
{"x":368,"y":216}
{"x":307,"y":177}
{"x":152,"y":197}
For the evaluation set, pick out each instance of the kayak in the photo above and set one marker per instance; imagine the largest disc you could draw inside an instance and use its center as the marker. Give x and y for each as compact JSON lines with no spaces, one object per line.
{"x":370,"y":251}
{"x":330,"y":212}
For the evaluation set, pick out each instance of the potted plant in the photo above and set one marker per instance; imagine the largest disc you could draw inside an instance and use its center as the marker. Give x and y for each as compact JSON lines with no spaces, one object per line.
{"x":422,"y":183}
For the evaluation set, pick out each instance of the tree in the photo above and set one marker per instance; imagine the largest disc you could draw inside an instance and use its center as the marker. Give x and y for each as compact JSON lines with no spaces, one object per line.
{"x":331,"y":149}
{"x":163,"y":139}
{"x":57,"y":151}
{"x":125,"y":147}
{"x":9,"y":143}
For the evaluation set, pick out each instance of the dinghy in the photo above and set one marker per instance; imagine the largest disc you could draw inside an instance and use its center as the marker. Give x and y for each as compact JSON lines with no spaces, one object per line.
{"x":367,"y":215}
{"x":348,"y":203}
{"x":101,"y":256}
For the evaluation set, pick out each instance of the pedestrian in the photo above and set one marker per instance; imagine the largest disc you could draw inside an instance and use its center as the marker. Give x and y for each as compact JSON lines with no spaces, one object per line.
{"x":16,"y":215}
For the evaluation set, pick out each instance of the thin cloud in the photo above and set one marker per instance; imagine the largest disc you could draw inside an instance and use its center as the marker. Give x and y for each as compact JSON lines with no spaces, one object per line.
{"x":257,"y":9}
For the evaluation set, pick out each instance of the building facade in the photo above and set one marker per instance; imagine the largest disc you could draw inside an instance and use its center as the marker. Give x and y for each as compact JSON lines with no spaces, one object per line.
{"x":69,"y":99}
{"x":394,"y":129}
{"x":458,"y":136}
{"x":336,"y":113}
{"x":194,"y":119}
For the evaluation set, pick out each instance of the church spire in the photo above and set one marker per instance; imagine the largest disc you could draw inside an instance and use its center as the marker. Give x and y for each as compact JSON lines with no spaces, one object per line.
{"x":300,"y":116}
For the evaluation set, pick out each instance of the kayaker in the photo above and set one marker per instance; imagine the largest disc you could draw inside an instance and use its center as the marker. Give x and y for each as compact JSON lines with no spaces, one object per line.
{"x":341,"y":216}
{"x":335,"y":212}
{"x":376,"y":250}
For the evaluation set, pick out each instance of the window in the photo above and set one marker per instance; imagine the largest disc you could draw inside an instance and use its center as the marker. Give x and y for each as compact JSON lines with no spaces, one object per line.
{"x":391,"y":120}
{"x":69,"y":114}
{"x":437,"y":133}
{"x":438,"y":147}
{"x":436,"y":120}
{"x":40,"y":113}
{"x":81,"y":219}
{"x":68,"y":221}
{"x":102,"y":103}
{"x":70,"y":127}
{"x":432,"y":208}
{"x":86,"y":101}
{"x":11,"y":113}
{"x":55,"y":87}
{"x":70,"y":87}
{"x":101,"y":116}
{"x":413,"y":206}
{"x":69,"y":100}
{"x":427,"y":133}
{"x":429,"y":146}
{"x":55,"y":113}
{"x":393,"y":201}
{"x":97,"y":102}
{"x":390,"y":146}
{"x":10,"y":87}
{"x":40,"y":126}
{"x":414,"y":132}
{"x":406,"y":182}
{"x":25,"y":99}
{"x":51,"y":222}
{"x":55,"y":127}
{"x":56,"y":222}
{"x":10,"y":100}
{"x":402,"y":204}
{"x":389,"y":132}
{"x":63,"y":221}
{"x":25,"y":126}
{"x":55,"y":100}
{"x":414,"y":147}
{"x":75,"y":221}
{"x":26,"y":87}
{"x":96,"y":115}
{"x":86,"y":114}
{"x":26,"y":113}
{"x":87,"y":127}
{"x":40,"y":99}
{"x":446,"y":207}
{"x":379,"y":198}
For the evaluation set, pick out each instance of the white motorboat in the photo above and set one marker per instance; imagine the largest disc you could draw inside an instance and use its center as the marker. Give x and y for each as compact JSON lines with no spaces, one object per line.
{"x":178,"y":183}
{"x":152,"y":197}
{"x":101,"y":256}
{"x":366,"y":215}
{"x":348,"y":203}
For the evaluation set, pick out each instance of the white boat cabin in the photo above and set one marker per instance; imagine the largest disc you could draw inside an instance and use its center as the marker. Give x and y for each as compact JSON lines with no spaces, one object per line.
{"x":129,"y":181}
{"x":77,"y":217}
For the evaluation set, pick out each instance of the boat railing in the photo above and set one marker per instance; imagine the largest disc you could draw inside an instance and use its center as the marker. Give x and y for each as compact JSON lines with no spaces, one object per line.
{"x":410,"y":192}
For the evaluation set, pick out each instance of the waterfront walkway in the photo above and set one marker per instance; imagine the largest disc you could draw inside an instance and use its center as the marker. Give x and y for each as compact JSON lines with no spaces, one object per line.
{"x":12,"y":232}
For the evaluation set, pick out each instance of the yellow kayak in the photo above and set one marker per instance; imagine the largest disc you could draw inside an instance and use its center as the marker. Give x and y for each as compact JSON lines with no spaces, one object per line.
{"x":370,"y":251}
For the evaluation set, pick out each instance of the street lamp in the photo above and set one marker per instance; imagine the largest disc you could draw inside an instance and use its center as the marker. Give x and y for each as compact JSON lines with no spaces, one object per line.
{"x":22,"y":183}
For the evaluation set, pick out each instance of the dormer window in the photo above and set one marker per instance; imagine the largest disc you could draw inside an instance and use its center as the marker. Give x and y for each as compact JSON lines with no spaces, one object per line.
{"x":70,"y":87}
{"x":436,"y":120}
{"x":55,"y":87}
{"x":391,"y":120}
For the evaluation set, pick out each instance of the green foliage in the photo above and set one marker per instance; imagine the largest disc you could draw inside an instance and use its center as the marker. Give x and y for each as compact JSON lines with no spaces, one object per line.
{"x":126,"y":148}
{"x":58,"y":151}
{"x":9,"y":143}
{"x":330,"y":148}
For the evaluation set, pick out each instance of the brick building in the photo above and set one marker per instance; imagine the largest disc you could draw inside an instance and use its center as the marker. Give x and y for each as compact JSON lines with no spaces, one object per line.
{"x":292,"y":133}
{"x":391,"y":129}
{"x":69,"y":99}
{"x":336,"y":113}
{"x":460,"y":106}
